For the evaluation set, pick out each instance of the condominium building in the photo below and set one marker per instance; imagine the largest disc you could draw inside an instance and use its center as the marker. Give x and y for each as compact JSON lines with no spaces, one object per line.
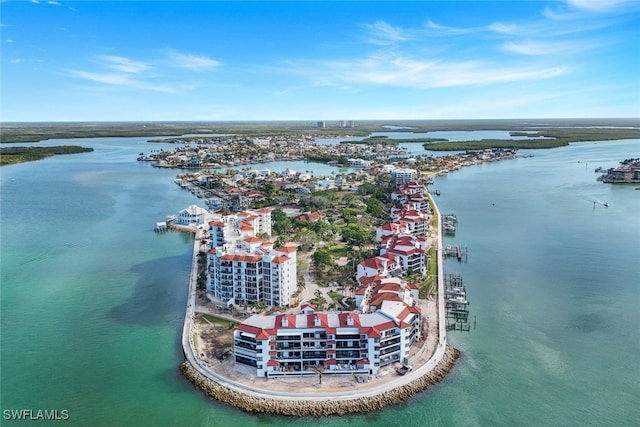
{"x":246,"y":269}
{"x":337,"y":343}
{"x":399,"y":177}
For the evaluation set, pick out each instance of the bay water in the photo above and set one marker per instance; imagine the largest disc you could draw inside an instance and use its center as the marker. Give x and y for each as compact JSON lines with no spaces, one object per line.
{"x":92,"y":300}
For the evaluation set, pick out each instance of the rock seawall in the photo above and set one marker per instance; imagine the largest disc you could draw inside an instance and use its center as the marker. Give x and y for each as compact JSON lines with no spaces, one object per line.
{"x":306,"y":408}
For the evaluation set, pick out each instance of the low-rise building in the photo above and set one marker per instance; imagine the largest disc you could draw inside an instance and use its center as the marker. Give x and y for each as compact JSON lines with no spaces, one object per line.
{"x":333,"y":343}
{"x":192,"y":215}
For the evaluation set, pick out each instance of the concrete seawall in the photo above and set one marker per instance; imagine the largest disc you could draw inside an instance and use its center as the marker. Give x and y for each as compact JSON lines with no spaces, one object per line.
{"x":327,"y":405}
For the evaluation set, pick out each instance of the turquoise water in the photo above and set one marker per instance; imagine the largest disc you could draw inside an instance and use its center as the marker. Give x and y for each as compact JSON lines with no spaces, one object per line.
{"x":92,"y":300}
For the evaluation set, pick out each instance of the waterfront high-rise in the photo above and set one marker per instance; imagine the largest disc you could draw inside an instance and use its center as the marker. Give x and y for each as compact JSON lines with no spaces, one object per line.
{"x":244,"y":268}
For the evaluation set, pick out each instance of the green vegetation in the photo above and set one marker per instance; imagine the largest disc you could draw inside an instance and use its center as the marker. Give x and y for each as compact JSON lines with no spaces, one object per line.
{"x":220,"y":321}
{"x":13,"y":155}
{"x":554,"y":138}
{"x":34,"y":132}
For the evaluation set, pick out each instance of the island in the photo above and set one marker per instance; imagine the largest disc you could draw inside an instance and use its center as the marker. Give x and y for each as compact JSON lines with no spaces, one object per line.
{"x":13,"y":155}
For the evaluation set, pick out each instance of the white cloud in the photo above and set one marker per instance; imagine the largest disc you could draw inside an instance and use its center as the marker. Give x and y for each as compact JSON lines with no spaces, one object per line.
{"x":499,"y":27}
{"x":123,"y":64}
{"x":402,"y":71}
{"x":534,"y":48}
{"x":54,"y":3}
{"x":603,"y":5}
{"x":382,"y":33}
{"x":447,"y":31}
{"x":191,"y":62}
{"x":126,"y":80}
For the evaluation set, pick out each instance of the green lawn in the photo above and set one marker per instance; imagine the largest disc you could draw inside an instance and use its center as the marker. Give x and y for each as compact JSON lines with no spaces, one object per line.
{"x":219,"y":321}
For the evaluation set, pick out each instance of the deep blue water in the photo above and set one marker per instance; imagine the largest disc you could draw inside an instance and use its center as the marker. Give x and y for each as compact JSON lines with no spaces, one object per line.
{"x":92,"y":300}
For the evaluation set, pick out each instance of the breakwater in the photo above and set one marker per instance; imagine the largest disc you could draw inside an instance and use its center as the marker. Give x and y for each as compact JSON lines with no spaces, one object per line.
{"x":303,"y":407}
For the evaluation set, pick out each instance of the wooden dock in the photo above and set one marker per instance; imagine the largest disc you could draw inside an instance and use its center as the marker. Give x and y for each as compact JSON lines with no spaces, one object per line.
{"x":459,"y":252}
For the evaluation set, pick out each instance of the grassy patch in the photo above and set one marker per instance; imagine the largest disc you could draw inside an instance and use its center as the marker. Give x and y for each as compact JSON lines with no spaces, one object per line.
{"x":338,"y":251}
{"x":219,"y":321}
{"x":334,"y":295}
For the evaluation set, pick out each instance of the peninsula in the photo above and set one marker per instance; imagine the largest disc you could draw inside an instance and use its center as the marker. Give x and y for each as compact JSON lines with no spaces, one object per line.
{"x":392,"y":345}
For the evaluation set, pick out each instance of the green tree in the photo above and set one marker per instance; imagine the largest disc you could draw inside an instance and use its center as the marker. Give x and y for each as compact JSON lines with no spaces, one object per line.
{"x":269,"y":188}
{"x":375,"y":208}
{"x":306,"y":239}
{"x":281,"y":223}
{"x":356,"y":235}
{"x":322,"y":259}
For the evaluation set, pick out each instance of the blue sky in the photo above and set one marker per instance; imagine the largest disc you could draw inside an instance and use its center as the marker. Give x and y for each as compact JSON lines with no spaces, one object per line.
{"x":296,"y":60}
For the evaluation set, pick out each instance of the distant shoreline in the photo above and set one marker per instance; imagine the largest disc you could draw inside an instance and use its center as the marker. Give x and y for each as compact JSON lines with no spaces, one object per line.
{"x":18,"y":132}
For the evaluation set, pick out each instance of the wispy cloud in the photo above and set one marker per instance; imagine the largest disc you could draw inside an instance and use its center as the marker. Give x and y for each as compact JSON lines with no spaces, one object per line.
{"x":54,"y":3}
{"x":444,"y":30}
{"x":119,"y":71}
{"x":383,"y":33}
{"x":191,"y":62}
{"x":538,"y":48}
{"x":126,"y":65}
{"x":500,"y":27}
{"x":120,"y":80}
{"x":604,"y":5}
{"x":403,"y":71}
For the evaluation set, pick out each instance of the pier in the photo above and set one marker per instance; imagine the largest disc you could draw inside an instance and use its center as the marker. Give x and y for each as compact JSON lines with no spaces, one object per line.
{"x":459,"y":252}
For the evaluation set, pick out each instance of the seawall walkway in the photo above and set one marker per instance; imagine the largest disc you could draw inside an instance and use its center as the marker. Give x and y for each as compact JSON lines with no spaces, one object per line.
{"x":254,"y":399}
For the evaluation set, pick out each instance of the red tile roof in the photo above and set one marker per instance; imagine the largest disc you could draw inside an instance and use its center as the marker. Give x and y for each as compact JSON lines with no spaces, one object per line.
{"x":280,"y":259}
{"x":241,"y":258}
{"x":288,"y":248}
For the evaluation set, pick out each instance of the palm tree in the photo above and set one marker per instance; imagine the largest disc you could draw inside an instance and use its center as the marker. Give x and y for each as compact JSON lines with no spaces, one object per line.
{"x":320,"y":370}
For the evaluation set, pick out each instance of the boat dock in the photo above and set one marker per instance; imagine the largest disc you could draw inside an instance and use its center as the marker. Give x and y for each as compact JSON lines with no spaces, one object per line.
{"x":160,"y":227}
{"x":456,"y":303}
{"x":459,"y":252}
{"x":449,"y":222}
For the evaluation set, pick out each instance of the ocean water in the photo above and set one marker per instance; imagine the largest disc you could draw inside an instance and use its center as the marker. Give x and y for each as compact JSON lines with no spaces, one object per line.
{"x":92,"y":299}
